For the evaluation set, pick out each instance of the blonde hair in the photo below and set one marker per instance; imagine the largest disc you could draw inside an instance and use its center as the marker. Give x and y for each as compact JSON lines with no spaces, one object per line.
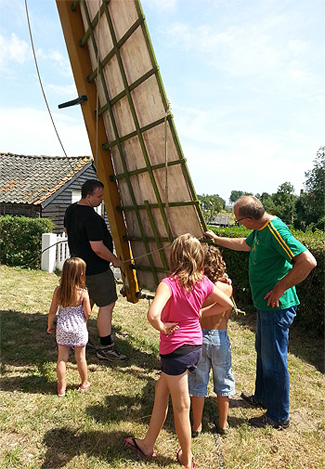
{"x":214,"y":265}
{"x":186,"y":260}
{"x":72,"y":279}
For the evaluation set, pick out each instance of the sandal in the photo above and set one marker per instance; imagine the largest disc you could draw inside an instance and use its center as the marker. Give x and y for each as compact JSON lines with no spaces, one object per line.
{"x":60,"y":394}
{"x":177,"y":457}
{"x":134,"y":445}
{"x":85,"y":388}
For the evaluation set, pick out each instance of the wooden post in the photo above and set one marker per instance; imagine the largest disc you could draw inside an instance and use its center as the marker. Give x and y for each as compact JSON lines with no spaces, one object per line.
{"x":73,"y":31}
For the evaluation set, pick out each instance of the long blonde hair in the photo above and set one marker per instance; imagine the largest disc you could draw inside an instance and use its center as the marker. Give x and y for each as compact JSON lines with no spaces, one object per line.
{"x":186,"y":260}
{"x":72,"y":279}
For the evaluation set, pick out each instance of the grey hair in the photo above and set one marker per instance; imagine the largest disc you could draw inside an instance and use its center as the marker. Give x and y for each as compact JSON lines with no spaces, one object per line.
{"x":250,"y":207}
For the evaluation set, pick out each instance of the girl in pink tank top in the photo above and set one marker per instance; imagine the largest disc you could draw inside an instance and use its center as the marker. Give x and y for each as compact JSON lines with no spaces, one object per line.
{"x":175,"y":313}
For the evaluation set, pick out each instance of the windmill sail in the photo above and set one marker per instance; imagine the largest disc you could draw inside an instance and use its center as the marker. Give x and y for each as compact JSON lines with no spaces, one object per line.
{"x":132,"y":134}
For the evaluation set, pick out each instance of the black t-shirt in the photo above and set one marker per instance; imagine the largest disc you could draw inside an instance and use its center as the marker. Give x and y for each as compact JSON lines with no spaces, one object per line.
{"x":83,"y":224}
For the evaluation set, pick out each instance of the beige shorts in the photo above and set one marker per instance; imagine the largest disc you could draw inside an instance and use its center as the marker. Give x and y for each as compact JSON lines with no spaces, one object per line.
{"x":102,"y":288}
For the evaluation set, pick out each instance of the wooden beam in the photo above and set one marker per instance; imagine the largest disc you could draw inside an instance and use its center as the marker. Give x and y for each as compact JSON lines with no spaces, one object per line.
{"x":73,"y":30}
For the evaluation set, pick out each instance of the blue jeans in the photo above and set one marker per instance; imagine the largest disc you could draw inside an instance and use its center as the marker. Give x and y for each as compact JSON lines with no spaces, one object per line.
{"x":216,"y":353}
{"x":272,"y":385}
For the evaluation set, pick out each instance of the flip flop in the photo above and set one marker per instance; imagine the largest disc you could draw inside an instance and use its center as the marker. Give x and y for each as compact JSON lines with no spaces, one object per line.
{"x":85,"y":388}
{"x":136,"y":448}
{"x":60,"y":394}
{"x":177,"y":457}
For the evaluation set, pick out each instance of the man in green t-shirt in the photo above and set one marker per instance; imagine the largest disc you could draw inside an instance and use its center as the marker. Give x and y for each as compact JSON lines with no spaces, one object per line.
{"x":277,"y":262}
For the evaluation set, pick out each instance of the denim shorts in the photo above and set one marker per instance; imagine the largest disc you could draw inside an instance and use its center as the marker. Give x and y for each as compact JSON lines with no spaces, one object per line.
{"x":216,"y":353}
{"x":177,"y":365}
{"x":102,"y":288}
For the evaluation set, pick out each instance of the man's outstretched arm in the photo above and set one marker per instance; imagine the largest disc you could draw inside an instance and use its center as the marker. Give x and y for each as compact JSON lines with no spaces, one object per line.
{"x":236,"y":244}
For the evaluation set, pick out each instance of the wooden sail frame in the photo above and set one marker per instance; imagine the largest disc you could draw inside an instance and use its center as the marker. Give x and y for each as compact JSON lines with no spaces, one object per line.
{"x":149,"y":195}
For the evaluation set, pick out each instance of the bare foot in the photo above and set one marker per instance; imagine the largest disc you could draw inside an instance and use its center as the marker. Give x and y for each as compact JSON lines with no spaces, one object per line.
{"x":178,"y":456}
{"x":138,"y":446}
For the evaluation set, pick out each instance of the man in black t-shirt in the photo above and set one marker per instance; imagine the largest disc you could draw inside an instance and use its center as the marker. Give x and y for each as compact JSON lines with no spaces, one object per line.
{"x":89,"y":238}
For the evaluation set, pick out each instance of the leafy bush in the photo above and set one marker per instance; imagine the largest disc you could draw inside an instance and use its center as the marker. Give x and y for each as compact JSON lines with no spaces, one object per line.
{"x":310,"y":291}
{"x":21,"y":240}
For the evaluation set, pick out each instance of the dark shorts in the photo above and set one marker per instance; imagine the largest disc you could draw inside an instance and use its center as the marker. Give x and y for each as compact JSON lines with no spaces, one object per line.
{"x":177,"y":365}
{"x":102,"y":288}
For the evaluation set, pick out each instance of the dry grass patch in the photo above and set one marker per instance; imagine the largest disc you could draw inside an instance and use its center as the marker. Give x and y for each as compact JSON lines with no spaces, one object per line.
{"x":39,"y":430}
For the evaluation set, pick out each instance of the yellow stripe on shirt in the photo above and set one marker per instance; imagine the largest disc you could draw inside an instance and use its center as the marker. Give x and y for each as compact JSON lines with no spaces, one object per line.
{"x":280,"y":240}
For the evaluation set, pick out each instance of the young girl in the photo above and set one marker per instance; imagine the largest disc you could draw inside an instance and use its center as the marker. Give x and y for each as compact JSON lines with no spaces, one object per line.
{"x":71,"y":330}
{"x":215,"y":351}
{"x":175,"y":314}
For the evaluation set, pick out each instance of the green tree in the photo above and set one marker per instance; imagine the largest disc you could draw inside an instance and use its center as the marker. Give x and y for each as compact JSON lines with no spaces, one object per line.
{"x":211,"y":205}
{"x":234,"y":195}
{"x":284,"y":202}
{"x":315,"y":182}
{"x":310,"y":205}
{"x":266,"y":200}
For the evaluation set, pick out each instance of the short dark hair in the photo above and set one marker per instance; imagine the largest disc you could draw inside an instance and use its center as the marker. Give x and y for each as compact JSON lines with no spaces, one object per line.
{"x":89,"y":186}
{"x":250,"y":207}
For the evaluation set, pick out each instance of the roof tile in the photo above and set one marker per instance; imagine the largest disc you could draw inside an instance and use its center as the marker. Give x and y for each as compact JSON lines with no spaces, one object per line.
{"x":32,"y":179}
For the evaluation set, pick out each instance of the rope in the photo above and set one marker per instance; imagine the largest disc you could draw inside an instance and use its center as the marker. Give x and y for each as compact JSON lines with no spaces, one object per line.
{"x":168,"y":111}
{"x":44,"y":95}
{"x":123,"y":262}
{"x":216,"y":435}
{"x":147,"y":254}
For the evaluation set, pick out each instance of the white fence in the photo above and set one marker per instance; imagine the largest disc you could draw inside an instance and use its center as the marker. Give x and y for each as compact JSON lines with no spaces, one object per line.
{"x":55,"y":251}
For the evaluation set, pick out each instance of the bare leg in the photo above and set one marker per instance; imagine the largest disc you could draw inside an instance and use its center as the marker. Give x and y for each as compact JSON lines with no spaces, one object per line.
{"x":80,"y":356}
{"x":223,"y":406}
{"x":197,"y":411}
{"x":104,"y":320}
{"x":178,"y":388}
{"x":63,"y":357}
{"x":158,"y":417}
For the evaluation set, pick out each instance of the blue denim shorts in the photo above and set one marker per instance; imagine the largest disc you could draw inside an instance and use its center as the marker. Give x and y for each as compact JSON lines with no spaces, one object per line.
{"x":177,"y":365}
{"x":216,"y":353}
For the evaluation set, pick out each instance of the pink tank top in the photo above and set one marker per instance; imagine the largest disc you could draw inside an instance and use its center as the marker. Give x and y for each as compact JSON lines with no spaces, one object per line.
{"x":184,"y":307}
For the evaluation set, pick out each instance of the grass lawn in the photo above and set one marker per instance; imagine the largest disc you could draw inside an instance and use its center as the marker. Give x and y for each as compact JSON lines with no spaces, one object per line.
{"x":86,"y":430}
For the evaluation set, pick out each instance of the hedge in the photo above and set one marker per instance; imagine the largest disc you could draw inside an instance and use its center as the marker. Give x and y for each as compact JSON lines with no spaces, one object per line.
{"x":311,"y":291}
{"x":21,"y":240}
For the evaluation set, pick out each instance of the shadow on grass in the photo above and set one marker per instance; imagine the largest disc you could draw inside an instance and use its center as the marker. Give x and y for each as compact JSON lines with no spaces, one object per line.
{"x":211,"y":413}
{"x":26,"y":344}
{"x":63,"y":444}
{"x":138,"y":408}
{"x":304,"y":345}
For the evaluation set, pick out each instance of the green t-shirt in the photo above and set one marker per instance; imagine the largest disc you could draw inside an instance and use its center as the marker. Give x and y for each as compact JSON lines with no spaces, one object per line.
{"x":273,"y":248}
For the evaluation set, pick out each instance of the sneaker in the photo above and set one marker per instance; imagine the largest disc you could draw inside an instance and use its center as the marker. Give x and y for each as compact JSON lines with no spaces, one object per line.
{"x":224,"y":432}
{"x":250,"y":398}
{"x":109,"y":353}
{"x":90,"y":345}
{"x":264,"y":421}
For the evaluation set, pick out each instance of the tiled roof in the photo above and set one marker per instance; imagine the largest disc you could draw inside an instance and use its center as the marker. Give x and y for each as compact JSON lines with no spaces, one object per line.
{"x":32,"y":179}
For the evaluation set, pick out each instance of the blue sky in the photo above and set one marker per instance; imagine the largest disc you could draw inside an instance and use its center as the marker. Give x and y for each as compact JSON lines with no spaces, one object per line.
{"x":245,"y":78}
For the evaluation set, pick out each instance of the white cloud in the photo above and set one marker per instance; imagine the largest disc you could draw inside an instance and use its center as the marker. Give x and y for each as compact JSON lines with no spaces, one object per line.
{"x":68,"y":91}
{"x":249,"y":163}
{"x":13,"y":49}
{"x":57,"y":60}
{"x":36,"y":135}
{"x":161,"y":5}
{"x":251,"y":50}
